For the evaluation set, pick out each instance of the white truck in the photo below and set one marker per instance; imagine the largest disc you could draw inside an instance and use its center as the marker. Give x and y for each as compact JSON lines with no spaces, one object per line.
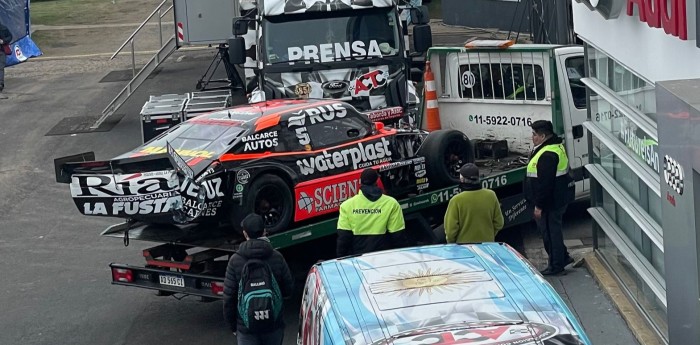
{"x":493,"y":90}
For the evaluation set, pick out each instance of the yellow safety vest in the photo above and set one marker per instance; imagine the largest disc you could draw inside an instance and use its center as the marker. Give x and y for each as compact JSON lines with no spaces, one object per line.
{"x":562,"y":167}
{"x":364,"y":217}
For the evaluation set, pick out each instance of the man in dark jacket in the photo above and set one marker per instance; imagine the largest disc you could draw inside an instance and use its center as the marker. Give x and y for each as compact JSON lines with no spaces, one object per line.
{"x":550,"y":188}
{"x":258,"y":247}
{"x":370,"y":221}
{"x":5,"y":40}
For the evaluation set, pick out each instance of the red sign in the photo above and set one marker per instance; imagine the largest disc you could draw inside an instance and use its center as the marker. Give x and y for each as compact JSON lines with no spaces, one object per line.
{"x":324,"y":195}
{"x":368,"y":81}
{"x":385,"y":114}
{"x":667,"y":14}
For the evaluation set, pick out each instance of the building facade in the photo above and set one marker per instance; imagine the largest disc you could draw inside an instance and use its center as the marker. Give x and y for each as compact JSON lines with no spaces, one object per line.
{"x":633,"y":48}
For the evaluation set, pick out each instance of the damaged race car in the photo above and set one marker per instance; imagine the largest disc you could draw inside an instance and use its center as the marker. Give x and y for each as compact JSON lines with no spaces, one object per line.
{"x":288,"y":160}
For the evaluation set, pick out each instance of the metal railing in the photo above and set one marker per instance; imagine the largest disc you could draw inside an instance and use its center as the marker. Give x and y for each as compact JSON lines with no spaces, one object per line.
{"x":130,"y":41}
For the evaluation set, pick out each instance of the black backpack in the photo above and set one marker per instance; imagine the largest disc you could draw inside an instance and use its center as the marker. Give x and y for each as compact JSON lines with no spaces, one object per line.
{"x":259,"y":297}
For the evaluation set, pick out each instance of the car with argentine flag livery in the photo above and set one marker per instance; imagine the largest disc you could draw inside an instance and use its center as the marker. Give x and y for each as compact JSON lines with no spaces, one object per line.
{"x":472,"y":294}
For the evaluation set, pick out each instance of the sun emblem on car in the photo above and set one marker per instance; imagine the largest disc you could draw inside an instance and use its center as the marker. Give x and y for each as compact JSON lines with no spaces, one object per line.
{"x":427,"y":280}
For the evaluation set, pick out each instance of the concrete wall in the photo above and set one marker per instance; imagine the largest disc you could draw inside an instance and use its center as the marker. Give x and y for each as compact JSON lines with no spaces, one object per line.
{"x":678,"y":109}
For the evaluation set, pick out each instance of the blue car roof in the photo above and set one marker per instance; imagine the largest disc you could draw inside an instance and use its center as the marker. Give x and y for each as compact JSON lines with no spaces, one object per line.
{"x":484,"y":289}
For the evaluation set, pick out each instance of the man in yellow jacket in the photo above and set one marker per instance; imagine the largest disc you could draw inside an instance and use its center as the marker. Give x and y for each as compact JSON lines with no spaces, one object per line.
{"x":474,"y":215}
{"x":370,"y":221}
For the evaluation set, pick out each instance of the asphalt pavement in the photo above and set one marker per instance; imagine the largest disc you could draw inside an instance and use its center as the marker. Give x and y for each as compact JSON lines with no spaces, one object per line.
{"x":55,"y":286}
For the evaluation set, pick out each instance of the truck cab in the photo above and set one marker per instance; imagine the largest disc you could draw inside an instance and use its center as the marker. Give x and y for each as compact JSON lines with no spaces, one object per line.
{"x":354,"y":51}
{"x":493,"y":90}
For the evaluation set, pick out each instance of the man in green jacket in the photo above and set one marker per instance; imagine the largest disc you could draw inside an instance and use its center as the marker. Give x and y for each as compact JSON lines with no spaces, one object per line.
{"x":474,"y":215}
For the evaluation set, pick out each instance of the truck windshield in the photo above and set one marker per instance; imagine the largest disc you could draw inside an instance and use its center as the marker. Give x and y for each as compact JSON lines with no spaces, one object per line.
{"x":332,"y":36}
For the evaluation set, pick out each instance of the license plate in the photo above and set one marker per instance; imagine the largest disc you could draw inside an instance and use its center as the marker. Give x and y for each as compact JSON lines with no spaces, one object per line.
{"x":172,"y":281}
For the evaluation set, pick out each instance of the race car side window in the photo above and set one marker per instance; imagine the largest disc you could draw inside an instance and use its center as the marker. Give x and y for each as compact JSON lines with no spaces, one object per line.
{"x":288,"y":141}
{"x":337,"y":132}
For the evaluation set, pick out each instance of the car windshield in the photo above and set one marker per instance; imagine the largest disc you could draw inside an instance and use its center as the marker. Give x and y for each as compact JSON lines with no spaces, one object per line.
{"x":205,"y":138}
{"x":332,"y":36}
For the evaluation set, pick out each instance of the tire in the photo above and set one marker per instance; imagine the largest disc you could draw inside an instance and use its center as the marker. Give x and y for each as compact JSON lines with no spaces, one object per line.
{"x":269,"y":196}
{"x":445,"y":152}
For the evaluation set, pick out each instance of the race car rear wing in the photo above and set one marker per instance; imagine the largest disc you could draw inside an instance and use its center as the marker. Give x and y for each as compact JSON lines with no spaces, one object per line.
{"x":85,"y":163}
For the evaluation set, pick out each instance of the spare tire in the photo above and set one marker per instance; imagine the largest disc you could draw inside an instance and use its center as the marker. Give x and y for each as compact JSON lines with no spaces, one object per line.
{"x":269,"y":196}
{"x":445,"y":152}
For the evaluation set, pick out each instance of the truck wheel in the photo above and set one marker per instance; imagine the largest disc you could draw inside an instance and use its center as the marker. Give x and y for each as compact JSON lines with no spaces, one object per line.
{"x":270,"y":197}
{"x":445,"y":152}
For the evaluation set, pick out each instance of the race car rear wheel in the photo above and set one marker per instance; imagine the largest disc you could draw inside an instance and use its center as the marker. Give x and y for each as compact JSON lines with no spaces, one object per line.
{"x":269,"y":196}
{"x":445,"y":152}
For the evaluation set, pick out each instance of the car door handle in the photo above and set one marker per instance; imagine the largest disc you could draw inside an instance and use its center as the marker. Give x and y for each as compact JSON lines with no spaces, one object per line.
{"x":577,"y":131}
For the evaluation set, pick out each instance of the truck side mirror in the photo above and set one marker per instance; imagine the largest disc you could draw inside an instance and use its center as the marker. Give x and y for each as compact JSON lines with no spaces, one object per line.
{"x":240,"y":26}
{"x":420,"y":15}
{"x":422,"y":38}
{"x":236,"y":50}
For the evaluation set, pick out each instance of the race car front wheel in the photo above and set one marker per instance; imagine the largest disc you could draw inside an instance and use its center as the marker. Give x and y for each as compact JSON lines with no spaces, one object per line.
{"x":269,"y":196}
{"x":445,"y":152}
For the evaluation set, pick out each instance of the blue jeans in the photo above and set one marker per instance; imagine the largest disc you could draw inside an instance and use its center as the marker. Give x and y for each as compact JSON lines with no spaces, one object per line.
{"x":271,"y":338}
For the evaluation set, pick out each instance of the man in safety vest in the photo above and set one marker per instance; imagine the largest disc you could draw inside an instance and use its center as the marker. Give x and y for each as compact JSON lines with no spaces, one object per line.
{"x":370,"y":221}
{"x":550,"y":188}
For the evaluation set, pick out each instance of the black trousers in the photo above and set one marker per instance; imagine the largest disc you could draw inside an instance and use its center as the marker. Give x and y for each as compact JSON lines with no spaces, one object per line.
{"x":274,"y":337}
{"x":2,"y":69}
{"x":550,"y":227}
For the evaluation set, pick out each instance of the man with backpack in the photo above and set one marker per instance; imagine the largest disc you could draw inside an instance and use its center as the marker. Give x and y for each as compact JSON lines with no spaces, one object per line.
{"x":257,"y":279}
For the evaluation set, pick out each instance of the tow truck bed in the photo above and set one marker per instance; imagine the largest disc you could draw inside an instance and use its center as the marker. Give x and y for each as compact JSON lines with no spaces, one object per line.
{"x":192,"y":259}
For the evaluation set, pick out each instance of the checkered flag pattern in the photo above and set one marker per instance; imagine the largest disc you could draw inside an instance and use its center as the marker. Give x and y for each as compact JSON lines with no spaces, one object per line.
{"x":673,"y":174}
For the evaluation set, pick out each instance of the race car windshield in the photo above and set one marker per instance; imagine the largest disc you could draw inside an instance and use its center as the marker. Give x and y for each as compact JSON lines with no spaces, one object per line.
{"x":209,"y":138}
{"x":332,"y":36}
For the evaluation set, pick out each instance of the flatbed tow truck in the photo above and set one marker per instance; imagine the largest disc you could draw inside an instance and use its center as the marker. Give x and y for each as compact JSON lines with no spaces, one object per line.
{"x":186,"y":263}
{"x":544,"y":82}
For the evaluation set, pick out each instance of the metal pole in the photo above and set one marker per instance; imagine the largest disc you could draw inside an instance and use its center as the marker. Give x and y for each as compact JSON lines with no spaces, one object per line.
{"x":133,"y":59}
{"x":160,"y":28}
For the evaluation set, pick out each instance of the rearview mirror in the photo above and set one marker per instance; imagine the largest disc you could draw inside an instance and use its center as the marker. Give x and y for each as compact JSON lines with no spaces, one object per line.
{"x":240,"y":26}
{"x":236,"y":50}
{"x":422,"y":38}
{"x":420,"y":15}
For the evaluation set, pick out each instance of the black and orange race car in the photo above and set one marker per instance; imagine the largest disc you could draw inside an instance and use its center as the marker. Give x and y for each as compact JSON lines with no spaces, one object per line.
{"x":288,"y":160}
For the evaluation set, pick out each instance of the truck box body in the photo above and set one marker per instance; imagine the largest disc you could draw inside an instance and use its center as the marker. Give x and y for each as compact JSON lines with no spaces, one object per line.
{"x":445,"y":294}
{"x":494,"y":94}
{"x":203,"y":22}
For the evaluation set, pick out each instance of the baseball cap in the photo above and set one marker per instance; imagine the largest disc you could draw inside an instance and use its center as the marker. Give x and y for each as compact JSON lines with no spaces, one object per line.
{"x":470,"y":172}
{"x":254,"y":225}
{"x":369,"y":177}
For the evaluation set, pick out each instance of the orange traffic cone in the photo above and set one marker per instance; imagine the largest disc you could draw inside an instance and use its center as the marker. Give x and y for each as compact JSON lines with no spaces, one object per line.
{"x":431,"y":103}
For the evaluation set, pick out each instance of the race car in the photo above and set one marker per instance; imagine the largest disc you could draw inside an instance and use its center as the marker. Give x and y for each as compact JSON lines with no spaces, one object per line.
{"x":287,"y":160}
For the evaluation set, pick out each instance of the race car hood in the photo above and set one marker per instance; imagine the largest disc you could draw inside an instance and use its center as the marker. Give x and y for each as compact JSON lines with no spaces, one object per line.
{"x":496,"y":332}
